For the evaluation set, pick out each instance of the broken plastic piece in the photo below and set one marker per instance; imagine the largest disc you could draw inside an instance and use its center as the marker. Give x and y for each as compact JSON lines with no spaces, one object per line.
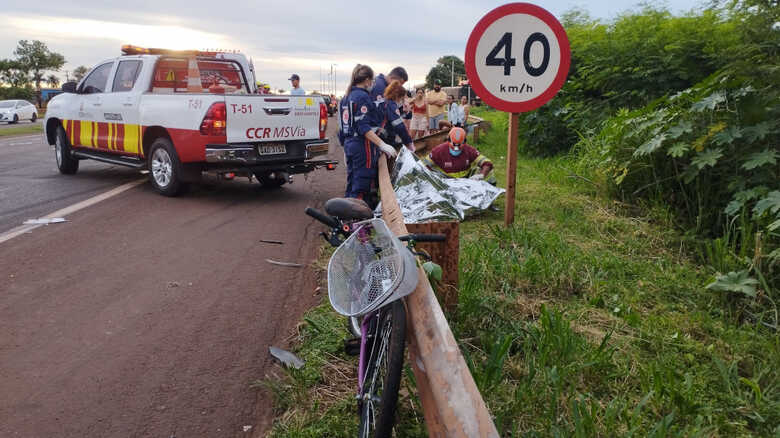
{"x":45,"y":221}
{"x":291,"y":265}
{"x":287,"y":358}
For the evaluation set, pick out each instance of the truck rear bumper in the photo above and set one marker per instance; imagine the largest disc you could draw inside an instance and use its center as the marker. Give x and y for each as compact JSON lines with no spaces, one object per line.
{"x":245,"y":158}
{"x":248,"y":154}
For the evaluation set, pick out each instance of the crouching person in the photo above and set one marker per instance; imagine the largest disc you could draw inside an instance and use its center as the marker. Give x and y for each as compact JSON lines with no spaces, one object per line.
{"x":456,"y":159}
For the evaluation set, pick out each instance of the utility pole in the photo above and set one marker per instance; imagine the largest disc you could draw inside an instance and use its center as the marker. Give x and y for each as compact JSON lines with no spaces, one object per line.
{"x":452,"y":74}
{"x":335,"y":81}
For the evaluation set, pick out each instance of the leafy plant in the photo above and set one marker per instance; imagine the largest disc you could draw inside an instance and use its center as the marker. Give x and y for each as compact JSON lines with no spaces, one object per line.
{"x":739,"y":282}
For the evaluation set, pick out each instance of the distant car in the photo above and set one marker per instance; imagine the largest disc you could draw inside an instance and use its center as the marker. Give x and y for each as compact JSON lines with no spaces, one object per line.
{"x":12,"y":111}
{"x":329,"y":104}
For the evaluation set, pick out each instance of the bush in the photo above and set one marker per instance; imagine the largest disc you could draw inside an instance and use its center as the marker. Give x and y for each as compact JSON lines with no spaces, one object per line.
{"x":25,"y":93}
{"x":639,"y":57}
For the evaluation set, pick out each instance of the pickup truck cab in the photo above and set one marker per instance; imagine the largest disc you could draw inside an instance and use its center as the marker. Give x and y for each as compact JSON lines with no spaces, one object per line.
{"x":181,"y":113}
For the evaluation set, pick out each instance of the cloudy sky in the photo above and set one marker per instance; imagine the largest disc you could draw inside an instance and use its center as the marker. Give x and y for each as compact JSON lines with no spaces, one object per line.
{"x":282,"y":37}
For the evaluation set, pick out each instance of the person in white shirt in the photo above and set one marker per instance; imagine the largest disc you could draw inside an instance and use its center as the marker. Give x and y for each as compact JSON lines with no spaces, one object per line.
{"x":296,"y":86}
{"x":456,"y":114}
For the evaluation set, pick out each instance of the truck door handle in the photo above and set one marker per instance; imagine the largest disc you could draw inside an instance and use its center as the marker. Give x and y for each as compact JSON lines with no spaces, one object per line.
{"x":277,"y":111}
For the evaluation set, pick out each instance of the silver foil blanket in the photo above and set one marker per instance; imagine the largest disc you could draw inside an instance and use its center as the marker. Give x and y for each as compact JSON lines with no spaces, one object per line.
{"x":429,"y":196}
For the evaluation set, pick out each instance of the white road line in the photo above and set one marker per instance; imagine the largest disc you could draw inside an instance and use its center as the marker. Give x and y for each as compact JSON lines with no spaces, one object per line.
{"x":18,"y":231}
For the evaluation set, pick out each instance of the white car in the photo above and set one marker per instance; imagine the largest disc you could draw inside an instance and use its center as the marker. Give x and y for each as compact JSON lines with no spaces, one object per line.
{"x":12,"y":111}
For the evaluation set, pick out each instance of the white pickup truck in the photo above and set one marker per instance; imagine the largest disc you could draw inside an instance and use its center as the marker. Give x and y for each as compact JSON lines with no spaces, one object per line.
{"x":181,"y":113}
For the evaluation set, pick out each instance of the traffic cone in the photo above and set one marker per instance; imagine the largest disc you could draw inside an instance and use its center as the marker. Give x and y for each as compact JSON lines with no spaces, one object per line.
{"x":193,"y":77}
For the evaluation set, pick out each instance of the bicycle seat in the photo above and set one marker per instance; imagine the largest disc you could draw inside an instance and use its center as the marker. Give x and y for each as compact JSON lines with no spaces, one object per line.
{"x":349,"y":209}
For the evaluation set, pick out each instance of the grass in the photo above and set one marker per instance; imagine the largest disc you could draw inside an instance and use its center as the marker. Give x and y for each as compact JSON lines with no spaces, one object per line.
{"x":21,"y":130}
{"x":587,"y":317}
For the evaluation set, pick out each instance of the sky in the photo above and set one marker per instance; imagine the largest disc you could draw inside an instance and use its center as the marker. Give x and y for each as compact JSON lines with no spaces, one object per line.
{"x":307,"y":37}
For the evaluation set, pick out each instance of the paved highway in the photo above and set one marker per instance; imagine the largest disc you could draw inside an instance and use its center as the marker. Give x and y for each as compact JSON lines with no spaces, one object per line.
{"x":144,"y":315}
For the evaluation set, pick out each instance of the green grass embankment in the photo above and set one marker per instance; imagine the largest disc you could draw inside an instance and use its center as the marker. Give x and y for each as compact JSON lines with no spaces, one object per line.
{"x":585,"y":318}
{"x":21,"y":130}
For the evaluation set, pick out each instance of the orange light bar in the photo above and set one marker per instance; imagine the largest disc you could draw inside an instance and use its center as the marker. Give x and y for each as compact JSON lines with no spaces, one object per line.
{"x":129,"y":49}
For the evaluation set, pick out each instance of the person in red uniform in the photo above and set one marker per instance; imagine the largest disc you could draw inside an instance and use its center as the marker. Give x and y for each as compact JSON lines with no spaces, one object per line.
{"x":456,"y":159}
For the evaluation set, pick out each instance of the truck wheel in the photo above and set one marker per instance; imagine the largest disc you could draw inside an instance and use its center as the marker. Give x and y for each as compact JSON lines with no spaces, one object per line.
{"x":34,"y":118}
{"x":165,"y":168}
{"x":270,"y":181}
{"x":16,"y":119}
{"x":66,"y":163}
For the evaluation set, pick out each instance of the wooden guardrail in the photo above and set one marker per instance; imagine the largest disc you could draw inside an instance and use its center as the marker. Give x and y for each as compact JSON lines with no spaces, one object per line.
{"x":451,"y":402}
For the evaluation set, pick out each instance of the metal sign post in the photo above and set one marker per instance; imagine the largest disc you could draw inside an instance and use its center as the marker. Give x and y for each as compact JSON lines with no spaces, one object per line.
{"x":517,"y":59}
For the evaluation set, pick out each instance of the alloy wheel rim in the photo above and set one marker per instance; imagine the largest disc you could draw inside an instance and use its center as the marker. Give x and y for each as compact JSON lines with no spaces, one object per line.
{"x":162,"y":169}
{"x":58,"y":151}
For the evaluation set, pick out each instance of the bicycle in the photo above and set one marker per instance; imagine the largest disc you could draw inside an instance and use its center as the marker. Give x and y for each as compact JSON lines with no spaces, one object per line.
{"x":370,"y":292}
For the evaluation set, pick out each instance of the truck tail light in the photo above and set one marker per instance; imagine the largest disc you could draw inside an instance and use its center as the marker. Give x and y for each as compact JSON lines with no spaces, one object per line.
{"x":323,"y":120}
{"x":215,"y":120}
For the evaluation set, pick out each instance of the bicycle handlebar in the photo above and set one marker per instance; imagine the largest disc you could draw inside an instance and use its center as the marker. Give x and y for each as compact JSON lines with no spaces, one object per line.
{"x":423,"y":238}
{"x":322,"y":217}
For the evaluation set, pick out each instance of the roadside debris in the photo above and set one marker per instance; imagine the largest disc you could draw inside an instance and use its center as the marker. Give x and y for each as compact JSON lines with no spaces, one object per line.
{"x":275,"y":242}
{"x":172,"y":284}
{"x":247,"y":428}
{"x":287,"y":358}
{"x":317,"y":291}
{"x":45,"y":221}
{"x":291,"y":265}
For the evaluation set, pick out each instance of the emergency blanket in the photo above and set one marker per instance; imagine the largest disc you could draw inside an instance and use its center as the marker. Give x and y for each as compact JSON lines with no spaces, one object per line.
{"x":428,"y":196}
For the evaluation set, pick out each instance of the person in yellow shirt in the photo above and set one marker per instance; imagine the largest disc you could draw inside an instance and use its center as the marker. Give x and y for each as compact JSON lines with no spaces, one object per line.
{"x":437,"y":101}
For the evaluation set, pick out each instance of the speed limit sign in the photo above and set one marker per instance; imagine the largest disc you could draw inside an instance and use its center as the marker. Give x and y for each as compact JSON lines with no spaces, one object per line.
{"x":517,"y":57}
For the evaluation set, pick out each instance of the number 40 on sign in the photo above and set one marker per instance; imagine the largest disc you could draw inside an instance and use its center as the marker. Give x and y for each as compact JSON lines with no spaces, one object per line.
{"x":517,"y":59}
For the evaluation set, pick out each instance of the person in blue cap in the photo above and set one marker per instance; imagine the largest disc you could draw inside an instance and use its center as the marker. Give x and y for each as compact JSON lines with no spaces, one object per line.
{"x":359,"y":120}
{"x":393,"y":131}
{"x":296,"y":86}
{"x":378,"y":90}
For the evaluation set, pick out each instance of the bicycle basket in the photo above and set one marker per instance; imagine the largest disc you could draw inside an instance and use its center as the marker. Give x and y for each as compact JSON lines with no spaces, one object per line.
{"x":371,"y":268}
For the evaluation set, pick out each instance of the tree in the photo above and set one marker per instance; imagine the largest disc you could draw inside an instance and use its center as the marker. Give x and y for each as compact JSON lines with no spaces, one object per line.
{"x":35,"y":58}
{"x":443,"y":71}
{"x":12,"y":73}
{"x":53,"y":81}
{"x":79,"y":72}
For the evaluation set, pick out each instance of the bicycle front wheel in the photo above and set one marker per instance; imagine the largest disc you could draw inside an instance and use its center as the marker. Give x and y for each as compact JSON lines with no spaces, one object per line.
{"x":383,"y":372}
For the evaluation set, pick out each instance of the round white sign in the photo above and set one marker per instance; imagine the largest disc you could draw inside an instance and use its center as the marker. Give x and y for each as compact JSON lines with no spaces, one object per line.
{"x":517,"y":57}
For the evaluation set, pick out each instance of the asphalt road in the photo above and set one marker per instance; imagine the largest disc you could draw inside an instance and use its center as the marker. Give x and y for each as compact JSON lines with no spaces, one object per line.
{"x":31,"y":186}
{"x":146,"y":316}
{"x":4,"y":125}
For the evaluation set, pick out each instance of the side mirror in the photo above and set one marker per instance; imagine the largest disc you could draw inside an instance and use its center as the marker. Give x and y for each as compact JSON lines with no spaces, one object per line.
{"x":69,"y":87}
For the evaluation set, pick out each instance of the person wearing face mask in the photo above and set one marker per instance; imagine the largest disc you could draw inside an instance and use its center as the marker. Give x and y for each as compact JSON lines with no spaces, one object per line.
{"x":359,"y":120}
{"x":456,"y":159}
{"x":437,"y":101}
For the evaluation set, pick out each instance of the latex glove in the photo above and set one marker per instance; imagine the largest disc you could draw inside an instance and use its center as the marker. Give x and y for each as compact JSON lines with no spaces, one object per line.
{"x":411,"y":147}
{"x":387,"y":150}
{"x":477,"y":177}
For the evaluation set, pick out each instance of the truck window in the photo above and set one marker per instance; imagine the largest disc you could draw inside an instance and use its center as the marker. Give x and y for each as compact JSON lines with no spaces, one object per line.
{"x":96,"y":81}
{"x":216,"y":76}
{"x":126,"y":74}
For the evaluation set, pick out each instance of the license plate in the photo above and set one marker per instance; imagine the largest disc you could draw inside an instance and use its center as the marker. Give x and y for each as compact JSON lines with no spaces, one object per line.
{"x":271,"y":149}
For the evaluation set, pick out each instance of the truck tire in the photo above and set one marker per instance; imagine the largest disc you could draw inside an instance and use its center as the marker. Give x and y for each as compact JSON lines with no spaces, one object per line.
{"x":165,"y":168}
{"x":66,"y":163}
{"x":15,"y":120}
{"x":266,"y":180}
{"x":34,"y":117}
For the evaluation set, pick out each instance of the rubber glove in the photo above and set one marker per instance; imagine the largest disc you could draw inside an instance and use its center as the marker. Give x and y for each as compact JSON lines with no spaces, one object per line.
{"x":477,"y":177}
{"x":387,"y":150}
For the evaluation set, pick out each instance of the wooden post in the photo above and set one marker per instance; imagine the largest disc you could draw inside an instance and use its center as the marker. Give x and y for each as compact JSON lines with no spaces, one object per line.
{"x":511,"y":168}
{"x":451,"y":402}
{"x":445,"y":254}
